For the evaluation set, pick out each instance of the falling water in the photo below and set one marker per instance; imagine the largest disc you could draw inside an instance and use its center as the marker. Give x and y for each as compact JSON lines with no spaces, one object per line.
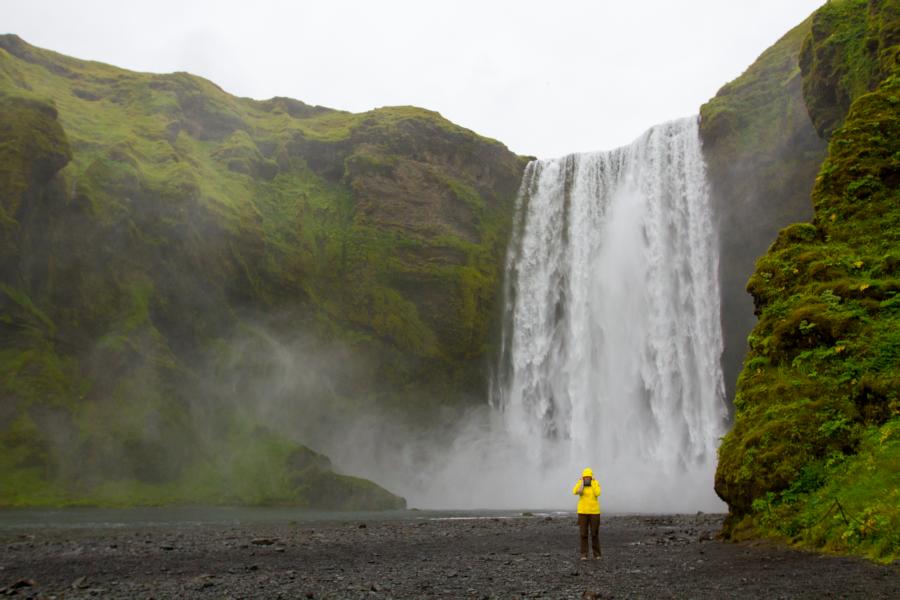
{"x":612,"y":337}
{"x":610,"y":349}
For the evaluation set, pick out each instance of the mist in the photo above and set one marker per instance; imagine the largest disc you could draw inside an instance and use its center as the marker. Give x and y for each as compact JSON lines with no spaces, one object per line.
{"x":486,"y":466}
{"x":610,"y":355}
{"x":473,"y":460}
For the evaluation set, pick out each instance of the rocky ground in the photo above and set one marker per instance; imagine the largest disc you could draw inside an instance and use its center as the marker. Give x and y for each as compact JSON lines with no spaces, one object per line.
{"x":527,"y":557}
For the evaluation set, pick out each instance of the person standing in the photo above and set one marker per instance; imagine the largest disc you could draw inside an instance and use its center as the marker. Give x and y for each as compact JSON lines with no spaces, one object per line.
{"x":588,"y":491}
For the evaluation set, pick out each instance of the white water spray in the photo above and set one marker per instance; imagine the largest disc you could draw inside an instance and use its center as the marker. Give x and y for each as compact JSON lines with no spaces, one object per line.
{"x":612,"y":344}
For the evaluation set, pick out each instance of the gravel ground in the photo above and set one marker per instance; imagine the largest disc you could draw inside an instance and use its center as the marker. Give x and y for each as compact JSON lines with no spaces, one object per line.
{"x":529,"y":557}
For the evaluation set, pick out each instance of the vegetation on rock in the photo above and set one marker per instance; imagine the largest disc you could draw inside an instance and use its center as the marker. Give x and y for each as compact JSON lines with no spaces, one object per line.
{"x":852,"y":48}
{"x":814,"y":454}
{"x":762,"y":156}
{"x":161,"y":240}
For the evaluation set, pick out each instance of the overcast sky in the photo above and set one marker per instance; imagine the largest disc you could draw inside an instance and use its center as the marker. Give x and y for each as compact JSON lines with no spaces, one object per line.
{"x":546,"y":78}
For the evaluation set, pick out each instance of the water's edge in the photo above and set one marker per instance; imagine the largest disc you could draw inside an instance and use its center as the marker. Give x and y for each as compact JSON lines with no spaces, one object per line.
{"x":194,"y":516}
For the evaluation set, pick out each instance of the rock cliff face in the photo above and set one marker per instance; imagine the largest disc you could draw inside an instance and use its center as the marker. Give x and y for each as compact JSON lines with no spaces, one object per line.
{"x":763,"y":155}
{"x":176,"y":261}
{"x":814,"y":454}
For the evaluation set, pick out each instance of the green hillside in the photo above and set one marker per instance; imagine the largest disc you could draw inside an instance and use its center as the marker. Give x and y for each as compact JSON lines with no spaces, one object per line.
{"x":762,"y":154}
{"x":165,"y":245}
{"x":814,"y":454}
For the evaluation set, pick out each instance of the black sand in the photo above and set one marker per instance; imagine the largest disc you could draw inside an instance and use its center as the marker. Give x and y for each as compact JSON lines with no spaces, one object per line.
{"x":530,"y":557}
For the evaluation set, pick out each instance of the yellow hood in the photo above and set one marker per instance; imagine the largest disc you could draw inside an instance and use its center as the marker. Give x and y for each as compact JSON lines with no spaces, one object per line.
{"x":587,"y":473}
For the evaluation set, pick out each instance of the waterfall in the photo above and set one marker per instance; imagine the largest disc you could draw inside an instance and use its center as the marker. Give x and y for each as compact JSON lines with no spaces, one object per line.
{"x":610,"y":355}
{"x":612,"y":340}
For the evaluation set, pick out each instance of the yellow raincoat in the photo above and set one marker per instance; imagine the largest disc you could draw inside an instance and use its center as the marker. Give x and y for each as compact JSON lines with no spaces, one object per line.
{"x":588,"y":498}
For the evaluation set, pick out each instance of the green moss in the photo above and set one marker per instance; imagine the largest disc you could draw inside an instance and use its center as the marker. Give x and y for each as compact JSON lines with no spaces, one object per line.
{"x":264,"y":472}
{"x":29,"y":314}
{"x":762,"y":156}
{"x":33,"y":147}
{"x":839,"y":503}
{"x":813,"y":444}
{"x":180,"y":216}
{"x":851,"y":48}
{"x":755,"y":110}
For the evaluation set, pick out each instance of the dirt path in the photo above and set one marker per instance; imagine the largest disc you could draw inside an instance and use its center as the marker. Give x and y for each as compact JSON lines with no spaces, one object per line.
{"x":531,"y":557}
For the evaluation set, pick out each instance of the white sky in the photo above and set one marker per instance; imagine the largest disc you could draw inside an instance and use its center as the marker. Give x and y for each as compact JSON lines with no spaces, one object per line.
{"x":546,"y":78}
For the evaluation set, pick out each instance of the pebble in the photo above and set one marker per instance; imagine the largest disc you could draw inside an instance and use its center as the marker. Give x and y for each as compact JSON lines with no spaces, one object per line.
{"x":263,"y":541}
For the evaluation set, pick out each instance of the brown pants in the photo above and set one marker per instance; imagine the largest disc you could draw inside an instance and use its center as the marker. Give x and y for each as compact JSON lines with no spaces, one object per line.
{"x":594,"y":522}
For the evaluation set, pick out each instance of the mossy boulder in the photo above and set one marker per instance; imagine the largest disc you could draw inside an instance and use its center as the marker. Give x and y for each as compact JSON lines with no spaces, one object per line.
{"x":321,"y":488}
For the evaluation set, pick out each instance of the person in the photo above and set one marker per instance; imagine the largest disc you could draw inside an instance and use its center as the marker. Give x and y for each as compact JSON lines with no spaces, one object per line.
{"x":588,"y":491}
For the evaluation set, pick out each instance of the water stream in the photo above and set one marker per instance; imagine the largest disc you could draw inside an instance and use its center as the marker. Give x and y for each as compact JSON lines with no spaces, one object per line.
{"x":612,"y":338}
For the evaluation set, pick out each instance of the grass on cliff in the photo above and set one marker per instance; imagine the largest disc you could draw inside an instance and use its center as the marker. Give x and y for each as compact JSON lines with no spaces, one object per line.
{"x":851,"y":49}
{"x":749,"y":113}
{"x":841,"y":503}
{"x":762,"y":155}
{"x":813,"y":454}
{"x":183,"y":214}
{"x":178,"y":138}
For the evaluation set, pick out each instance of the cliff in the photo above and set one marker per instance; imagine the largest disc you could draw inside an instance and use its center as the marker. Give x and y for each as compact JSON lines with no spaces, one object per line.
{"x":814,"y":454}
{"x":762,"y":154}
{"x":176,"y":262}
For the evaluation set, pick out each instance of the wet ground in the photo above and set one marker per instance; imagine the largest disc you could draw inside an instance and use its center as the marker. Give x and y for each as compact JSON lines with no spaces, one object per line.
{"x":421,"y":557}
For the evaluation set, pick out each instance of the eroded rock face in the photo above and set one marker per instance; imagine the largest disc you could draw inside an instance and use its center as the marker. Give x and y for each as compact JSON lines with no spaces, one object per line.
{"x":412,"y":198}
{"x":431,"y":181}
{"x":763,"y":155}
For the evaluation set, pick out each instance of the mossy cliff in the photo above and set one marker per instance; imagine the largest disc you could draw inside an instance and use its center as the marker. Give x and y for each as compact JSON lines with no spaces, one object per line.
{"x":814,"y":454}
{"x":850,"y":50}
{"x":162,"y":241}
{"x":762,"y":156}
